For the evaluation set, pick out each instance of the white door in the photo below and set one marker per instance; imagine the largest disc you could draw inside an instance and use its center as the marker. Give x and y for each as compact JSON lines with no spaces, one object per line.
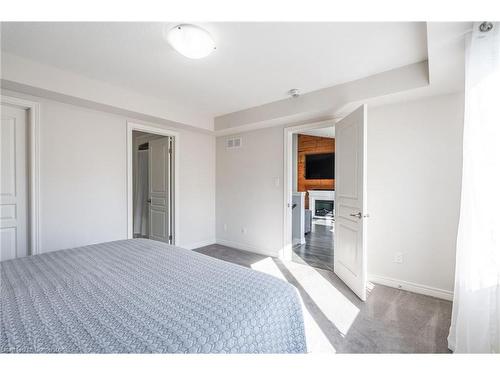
{"x":350,"y":262}
{"x":13,"y":184}
{"x":159,"y":189}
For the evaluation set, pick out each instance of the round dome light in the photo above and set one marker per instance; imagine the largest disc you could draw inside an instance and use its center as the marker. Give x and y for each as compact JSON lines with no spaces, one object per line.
{"x":191,"y":41}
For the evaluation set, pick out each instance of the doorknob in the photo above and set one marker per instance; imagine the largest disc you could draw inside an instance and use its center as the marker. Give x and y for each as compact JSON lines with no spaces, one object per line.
{"x":359,"y":215}
{"x":149,"y":200}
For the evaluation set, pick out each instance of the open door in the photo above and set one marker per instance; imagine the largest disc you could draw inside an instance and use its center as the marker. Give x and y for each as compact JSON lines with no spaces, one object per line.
{"x":350,"y":261}
{"x":160,"y":225}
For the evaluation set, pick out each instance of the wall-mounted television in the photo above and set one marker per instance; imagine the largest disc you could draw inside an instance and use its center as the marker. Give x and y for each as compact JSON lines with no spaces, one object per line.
{"x":320,"y":166}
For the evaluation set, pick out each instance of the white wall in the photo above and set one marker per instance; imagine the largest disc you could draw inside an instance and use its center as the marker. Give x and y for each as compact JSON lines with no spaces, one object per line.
{"x":414,"y":180}
{"x":197,"y":189}
{"x":84,"y":181}
{"x":414,"y":171}
{"x":247,"y":195}
{"x":82,"y":177}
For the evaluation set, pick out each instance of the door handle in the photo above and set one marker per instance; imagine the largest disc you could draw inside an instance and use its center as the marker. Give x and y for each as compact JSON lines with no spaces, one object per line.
{"x":149,"y":200}
{"x":359,"y":215}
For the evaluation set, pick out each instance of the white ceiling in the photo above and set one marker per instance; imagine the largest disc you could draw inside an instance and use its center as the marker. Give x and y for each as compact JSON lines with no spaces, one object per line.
{"x":255,"y":63}
{"x":446,"y":49}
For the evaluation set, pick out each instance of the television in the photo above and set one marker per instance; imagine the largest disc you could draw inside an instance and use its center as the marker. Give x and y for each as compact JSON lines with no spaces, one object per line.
{"x":320,"y":166}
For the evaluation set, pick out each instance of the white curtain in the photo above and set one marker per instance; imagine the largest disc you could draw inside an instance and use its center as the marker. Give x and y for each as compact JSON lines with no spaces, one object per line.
{"x":141,"y":195}
{"x":475,"y":324}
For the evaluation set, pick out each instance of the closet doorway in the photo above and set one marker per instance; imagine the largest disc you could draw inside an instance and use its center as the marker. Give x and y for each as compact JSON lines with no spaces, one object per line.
{"x":152,"y":187}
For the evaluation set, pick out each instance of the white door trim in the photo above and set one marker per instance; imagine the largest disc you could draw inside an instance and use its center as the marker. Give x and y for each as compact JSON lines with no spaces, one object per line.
{"x":33,"y":148}
{"x":286,"y":250}
{"x":153,"y":129}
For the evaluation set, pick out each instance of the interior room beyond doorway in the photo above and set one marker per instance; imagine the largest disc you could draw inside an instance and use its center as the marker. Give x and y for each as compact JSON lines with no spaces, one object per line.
{"x":313,"y":197}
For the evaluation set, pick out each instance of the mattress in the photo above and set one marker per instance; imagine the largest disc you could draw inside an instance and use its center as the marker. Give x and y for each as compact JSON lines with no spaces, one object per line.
{"x":143,"y":296}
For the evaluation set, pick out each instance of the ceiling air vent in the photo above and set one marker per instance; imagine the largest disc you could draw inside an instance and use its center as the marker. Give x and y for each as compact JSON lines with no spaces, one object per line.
{"x":233,"y":143}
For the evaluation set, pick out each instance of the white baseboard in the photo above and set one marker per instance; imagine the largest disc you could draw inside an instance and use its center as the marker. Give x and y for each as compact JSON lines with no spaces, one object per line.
{"x":412,"y":287}
{"x":245,"y":247}
{"x":198,"y":244}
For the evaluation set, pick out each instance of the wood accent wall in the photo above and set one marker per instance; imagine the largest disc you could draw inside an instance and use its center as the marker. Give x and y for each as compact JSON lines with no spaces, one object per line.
{"x":309,"y":144}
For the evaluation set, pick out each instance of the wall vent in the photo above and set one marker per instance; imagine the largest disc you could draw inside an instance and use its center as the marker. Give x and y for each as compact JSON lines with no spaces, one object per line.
{"x":233,"y":142}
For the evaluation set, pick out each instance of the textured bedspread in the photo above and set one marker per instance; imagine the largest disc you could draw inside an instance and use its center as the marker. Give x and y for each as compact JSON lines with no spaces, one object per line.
{"x":142,"y":296}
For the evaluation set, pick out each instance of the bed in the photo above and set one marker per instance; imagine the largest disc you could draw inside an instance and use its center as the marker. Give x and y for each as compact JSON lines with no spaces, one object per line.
{"x":143,"y":296}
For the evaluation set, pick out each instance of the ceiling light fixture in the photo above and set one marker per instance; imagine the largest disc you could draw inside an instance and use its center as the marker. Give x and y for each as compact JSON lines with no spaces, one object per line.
{"x":191,"y":41}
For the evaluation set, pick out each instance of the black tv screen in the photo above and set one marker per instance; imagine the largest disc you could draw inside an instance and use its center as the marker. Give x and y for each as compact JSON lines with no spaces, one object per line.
{"x":320,"y":166}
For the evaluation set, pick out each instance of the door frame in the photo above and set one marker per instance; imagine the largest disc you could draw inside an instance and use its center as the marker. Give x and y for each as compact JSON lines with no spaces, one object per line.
{"x":152,"y":129}
{"x":286,"y":250}
{"x":33,"y":157}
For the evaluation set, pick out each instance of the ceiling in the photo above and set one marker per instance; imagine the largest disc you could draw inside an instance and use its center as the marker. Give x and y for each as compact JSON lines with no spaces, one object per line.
{"x":255,"y":63}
